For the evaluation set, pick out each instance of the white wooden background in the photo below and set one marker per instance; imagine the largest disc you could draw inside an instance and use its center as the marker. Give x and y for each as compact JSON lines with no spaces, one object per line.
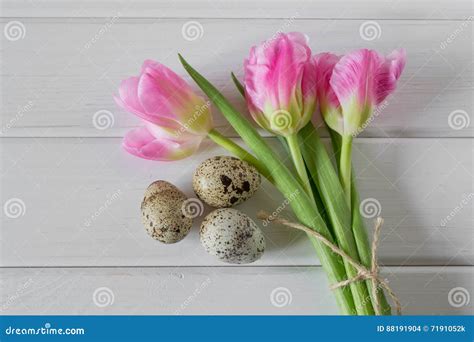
{"x":78,"y":246}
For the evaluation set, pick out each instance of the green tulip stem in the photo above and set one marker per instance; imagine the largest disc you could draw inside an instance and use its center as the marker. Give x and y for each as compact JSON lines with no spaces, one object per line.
{"x":346,"y":167}
{"x":298,"y":161}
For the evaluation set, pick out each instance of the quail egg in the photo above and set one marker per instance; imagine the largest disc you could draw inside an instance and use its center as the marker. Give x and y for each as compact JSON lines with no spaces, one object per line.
{"x":162,"y":212}
{"x":224,"y":181}
{"x":232,"y":236}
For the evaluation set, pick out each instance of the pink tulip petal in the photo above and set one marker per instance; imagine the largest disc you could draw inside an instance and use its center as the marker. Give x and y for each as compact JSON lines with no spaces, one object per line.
{"x":129,"y":101}
{"x":142,"y":143}
{"x":161,"y":98}
{"x":160,"y":71}
{"x":150,"y":64}
{"x":389,"y":74}
{"x":397,"y":60}
{"x":356,"y":77}
{"x":275,"y":68}
{"x":309,"y":80}
{"x":163,"y":92}
{"x":128,"y":95}
{"x":325,"y":63}
{"x":155,"y":98}
{"x":157,"y":120}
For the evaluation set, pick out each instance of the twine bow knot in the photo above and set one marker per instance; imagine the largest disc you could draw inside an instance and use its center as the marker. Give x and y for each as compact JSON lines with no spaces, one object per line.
{"x":363,"y":273}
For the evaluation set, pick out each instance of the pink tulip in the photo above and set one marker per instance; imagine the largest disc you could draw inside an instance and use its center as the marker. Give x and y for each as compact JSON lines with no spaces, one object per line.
{"x":351,"y":86}
{"x":280,"y":77}
{"x":176,"y":120}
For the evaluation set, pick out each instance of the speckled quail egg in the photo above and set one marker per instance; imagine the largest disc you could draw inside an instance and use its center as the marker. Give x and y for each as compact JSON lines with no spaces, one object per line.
{"x":162,"y":212}
{"x":232,"y":236}
{"x":224,"y":181}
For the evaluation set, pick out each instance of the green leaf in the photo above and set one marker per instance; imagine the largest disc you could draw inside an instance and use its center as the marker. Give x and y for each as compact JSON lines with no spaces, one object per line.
{"x":301,"y":204}
{"x":239,"y":85}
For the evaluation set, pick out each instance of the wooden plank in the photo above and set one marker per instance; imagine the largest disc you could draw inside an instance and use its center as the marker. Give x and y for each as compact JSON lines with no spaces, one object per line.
{"x":81,"y":201}
{"x":388,"y":9}
{"x":53,"y":84}
{"x":218,"y":291}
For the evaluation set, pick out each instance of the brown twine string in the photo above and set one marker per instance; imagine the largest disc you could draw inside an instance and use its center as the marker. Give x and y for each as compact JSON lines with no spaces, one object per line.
{"x":363,"y":272}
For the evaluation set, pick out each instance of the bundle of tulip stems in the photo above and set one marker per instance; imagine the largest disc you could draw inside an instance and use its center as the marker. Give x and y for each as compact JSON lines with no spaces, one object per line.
{"x":285,"y":87}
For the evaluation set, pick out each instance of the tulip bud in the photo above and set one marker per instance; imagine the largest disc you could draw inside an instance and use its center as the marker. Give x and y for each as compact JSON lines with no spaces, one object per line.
{"x":280,"y":89}
{"x":350,"y":87}
{"x":176,"y":119}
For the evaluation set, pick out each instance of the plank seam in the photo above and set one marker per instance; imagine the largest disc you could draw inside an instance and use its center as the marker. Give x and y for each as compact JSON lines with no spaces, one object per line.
{"x":230,"y":266}
{"x":237,"y":18}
